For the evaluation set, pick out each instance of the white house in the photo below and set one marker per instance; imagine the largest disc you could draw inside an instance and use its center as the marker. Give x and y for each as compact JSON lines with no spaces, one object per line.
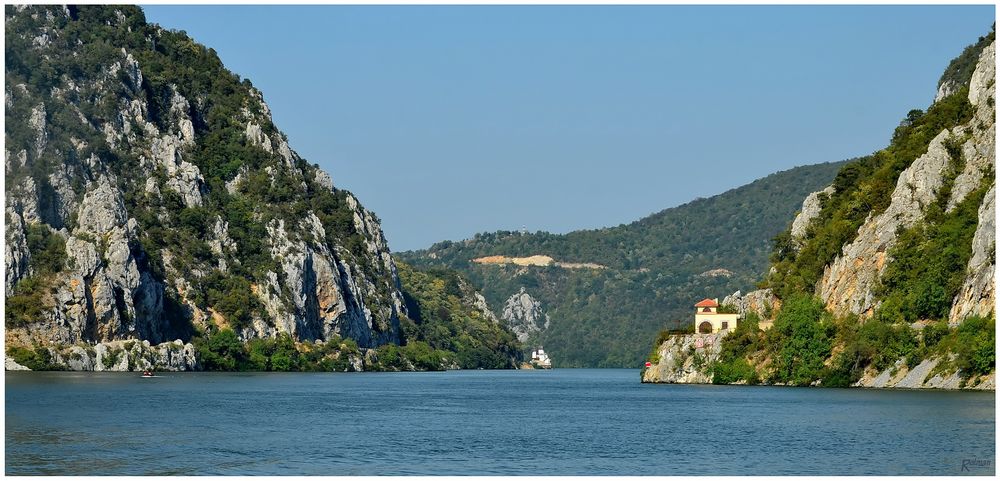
{"x":707,"y":318}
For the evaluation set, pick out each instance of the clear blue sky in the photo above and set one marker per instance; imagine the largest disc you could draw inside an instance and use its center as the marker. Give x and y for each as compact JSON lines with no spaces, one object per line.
{"x":447,"y":121}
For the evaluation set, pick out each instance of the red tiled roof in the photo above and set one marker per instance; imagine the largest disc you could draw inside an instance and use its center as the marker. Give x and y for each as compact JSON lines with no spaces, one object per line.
{"x":707,"y":303}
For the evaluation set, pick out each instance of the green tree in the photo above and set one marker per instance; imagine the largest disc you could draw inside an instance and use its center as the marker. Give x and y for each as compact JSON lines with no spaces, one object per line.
{"x":221,"y":351}
{"x":801,"y":329}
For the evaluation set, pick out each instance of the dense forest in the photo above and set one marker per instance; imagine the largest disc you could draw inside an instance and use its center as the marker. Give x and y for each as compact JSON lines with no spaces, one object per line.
{"x":657,"y":267}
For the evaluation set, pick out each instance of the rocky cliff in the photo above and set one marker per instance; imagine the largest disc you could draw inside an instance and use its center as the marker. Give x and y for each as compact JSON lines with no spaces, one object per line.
{"x":692,"y":359}
{"x":850,"y":282}
{"x":524,"y":315}
{"x":761,"y":302}
{"x":150,"y":197}
{"x":890,"y":269}
{"x":927,"y":374}
{"x":684,"y":359}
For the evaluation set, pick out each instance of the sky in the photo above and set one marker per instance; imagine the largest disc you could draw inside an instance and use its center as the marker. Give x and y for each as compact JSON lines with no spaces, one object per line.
{"x":452,"y":120}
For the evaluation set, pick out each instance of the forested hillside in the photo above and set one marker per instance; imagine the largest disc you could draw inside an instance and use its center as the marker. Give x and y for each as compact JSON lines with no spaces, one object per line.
{"x":156,"y":216}
{"x":655,"y":268}
{"x":887,"y":280}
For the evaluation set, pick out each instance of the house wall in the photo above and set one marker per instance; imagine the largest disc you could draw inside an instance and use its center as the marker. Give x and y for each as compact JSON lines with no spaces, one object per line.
{"x":716,"y":320}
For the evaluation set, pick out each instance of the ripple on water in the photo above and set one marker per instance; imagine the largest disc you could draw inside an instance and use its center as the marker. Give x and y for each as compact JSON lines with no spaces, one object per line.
{"x":560,"y":422}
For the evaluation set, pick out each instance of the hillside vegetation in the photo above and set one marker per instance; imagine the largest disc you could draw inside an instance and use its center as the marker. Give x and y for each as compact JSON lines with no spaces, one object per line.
{"x":153,"y":208}
{"x":892,"y":282}
{"x":657,"y":267}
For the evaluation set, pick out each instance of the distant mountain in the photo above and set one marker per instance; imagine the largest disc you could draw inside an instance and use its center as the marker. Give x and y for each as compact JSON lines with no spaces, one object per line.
{"x":606,"y":292}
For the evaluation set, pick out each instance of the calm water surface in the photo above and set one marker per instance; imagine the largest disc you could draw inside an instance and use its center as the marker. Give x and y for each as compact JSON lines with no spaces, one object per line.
{"x":564,"y":421}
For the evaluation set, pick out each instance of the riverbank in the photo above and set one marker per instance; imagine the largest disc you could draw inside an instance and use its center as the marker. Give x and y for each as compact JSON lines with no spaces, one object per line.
{"x":259,"y":355}
{"x":693,"y":358}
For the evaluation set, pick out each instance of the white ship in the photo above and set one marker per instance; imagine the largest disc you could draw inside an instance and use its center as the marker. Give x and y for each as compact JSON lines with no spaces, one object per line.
{"x":540,"y":360}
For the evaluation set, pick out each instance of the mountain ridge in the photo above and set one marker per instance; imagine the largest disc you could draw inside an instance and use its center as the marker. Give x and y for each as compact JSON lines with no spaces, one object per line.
{"x":152,"y":201}
{"x":654,"y":261}
{"x":886,"y":277}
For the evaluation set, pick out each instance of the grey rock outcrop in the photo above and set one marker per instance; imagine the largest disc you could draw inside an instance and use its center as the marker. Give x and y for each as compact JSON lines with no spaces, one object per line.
{"x":120,"y":356}
{"x":128,"y":355}
{"x":977,"y":296}
{"x":323,"y":179}
{"x":102,"y":209}
{"x":524,"y":315}
{"x":130,"y":191}
{"x":479,"y":302}
{"x":810,"y":210}
{"x":761,"y":302}
{"x":327,"y":291}
{"x":685,"y":359}
{"x":925,"y":375}
{"x":848,"y":283}
{"x":16,"y":253}
{"x":12,"y":365}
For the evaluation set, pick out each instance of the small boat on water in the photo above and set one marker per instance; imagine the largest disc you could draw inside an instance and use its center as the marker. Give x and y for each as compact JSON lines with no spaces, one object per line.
{"x":147,"y":373}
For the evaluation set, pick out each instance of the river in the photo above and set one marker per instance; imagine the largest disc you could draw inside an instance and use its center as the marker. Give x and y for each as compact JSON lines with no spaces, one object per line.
{"x":558,"y":422}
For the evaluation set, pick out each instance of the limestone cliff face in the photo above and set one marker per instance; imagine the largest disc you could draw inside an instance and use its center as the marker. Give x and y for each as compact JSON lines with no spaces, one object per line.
{"x":685,"y":359}
{"x":140,"y":173}
{"x":524,"y":315}
{"x":761,"y":302}
{"x":688,"y":359}
{"x":810,"y":210}
{"x":958,"y":161}
{"x":925,"y":375}
{"x":129,"y":355}
{"x":848,"y":283}
{"x":977,"y":296}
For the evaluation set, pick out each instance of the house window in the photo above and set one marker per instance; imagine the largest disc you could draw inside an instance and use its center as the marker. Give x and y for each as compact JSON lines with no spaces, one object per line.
{"x":707,"y":309}
{"x":725,"y":325}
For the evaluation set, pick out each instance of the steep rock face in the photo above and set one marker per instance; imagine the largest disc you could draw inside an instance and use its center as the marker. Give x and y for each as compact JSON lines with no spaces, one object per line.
{"x":977,"y":297}
{"x":924,"y":376}
{"x":129,"y":356}
{"x":16,"y":253}
{"x":848,"y":283}
{"x":179,"y":205}
{"x":480,"y":303}
{"x":979,"y":150}
{"x":126,"y":355}
{"x":685,"y":359}
{"x":761,"y":302}
{"x":810,"y":210}
{"x":12,"y":365}
{"x":688,"y":359}
{"x":327,"y":293}
{"x":524,"y":315}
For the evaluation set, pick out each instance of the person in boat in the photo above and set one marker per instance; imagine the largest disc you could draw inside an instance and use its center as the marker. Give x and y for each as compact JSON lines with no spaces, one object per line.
{"x":147,"y":372}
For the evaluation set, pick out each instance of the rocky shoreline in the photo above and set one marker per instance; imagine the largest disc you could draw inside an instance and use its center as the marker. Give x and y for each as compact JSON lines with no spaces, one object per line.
{"x":688,"y":359}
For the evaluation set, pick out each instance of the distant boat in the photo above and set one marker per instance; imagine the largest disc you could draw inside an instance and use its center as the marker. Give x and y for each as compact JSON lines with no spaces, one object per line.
{"x":147,"y":373}
{"x":540,"y":360}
